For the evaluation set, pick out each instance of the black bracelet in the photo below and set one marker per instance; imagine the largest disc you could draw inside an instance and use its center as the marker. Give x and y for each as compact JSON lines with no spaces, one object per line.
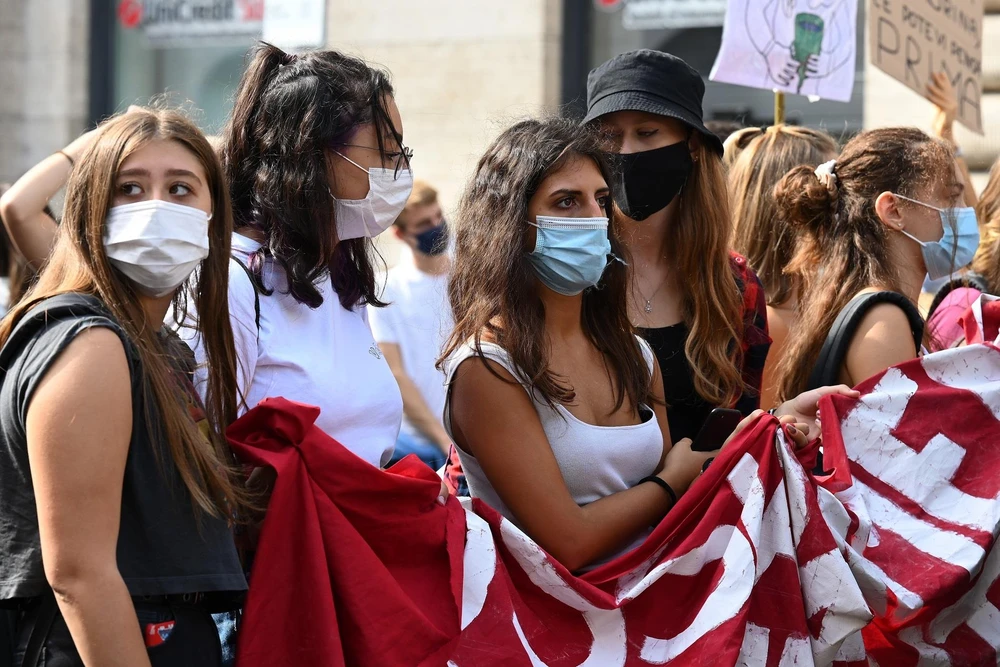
{"x":66,"y":155}
{"x":663,"y":485}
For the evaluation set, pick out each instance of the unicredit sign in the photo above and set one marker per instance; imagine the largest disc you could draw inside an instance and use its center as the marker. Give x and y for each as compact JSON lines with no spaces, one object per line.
{"x":192,"y":20}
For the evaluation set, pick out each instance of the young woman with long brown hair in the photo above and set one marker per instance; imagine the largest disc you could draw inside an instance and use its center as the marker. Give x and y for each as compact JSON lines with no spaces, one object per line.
{"x":554,"y":404}
{"x":874,"y":223}
{"x":760,"y":235}
{"x":115,"y":485}
{"x":698,"y":304}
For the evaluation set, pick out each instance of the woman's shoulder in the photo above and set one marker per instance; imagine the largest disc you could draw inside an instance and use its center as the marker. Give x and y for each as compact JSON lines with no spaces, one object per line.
{"x":55,"y":325}
{"x":63,"y":310}
{"x":888,"y":332}
{"x":486,"y":351}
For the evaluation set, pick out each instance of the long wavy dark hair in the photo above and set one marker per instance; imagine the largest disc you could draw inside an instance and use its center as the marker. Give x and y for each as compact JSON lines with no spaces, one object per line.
{"x":492,"y":289}
{"x":289,"y":111}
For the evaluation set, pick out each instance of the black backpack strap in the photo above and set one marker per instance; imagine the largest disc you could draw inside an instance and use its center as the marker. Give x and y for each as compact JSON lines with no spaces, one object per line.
{"x":256,"y":290}
{"x":826,"y":371}
{"x":973,"y":280}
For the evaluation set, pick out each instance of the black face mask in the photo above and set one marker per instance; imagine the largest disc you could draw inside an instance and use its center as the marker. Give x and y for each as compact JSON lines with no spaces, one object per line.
{"x":649,"y":181}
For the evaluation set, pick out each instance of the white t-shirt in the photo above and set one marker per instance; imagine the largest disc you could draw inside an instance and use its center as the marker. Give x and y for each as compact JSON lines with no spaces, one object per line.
{"x":418,"y":319}
{"x":325,"y":357}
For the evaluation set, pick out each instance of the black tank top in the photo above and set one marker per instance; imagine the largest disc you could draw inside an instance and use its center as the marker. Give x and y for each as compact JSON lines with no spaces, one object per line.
{"x":163,"y":548}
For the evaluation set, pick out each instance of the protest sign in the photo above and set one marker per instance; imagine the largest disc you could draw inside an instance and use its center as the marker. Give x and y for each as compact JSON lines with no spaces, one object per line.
{"x":800,"y":47}
{"x":911,"y":40}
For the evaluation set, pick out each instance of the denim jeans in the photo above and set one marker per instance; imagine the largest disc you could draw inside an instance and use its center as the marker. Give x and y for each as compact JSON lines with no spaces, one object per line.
{"x":226,"y":625}
{"x":425,"y":450}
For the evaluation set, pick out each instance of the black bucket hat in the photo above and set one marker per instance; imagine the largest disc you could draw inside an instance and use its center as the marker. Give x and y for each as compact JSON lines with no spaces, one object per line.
{"x":650,"y":81}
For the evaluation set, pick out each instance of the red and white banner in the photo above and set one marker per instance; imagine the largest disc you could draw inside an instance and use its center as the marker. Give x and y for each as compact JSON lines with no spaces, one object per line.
{"x":891,"y":560}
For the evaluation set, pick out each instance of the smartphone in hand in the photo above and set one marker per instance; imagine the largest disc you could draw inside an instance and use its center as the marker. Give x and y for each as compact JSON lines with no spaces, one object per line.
{"x":717,"y":428}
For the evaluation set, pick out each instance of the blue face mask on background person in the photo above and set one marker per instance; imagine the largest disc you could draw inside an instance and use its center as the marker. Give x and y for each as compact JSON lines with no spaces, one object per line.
{"x":433,"y":241}
{"x":570,"y":254}
{"x":960,"y":240}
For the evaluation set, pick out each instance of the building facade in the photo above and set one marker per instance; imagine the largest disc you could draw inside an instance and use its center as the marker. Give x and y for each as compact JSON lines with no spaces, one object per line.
{"x":463,"y":69}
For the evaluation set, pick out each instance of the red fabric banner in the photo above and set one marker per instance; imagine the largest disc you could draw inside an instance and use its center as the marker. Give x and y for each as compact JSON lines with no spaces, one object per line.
{"x":892,"y":557}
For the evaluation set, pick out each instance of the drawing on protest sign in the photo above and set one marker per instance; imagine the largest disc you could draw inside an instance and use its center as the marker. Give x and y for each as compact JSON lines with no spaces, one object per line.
{"x":910,"y":41}
{"x":806,"y":47}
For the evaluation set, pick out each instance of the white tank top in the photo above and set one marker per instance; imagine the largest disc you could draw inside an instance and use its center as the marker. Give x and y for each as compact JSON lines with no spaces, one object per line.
{"x":595,"y":461}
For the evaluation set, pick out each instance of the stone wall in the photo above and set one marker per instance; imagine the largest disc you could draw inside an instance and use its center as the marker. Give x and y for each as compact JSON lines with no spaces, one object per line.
{"x":463,"y":72}
{"x":43,"y":81}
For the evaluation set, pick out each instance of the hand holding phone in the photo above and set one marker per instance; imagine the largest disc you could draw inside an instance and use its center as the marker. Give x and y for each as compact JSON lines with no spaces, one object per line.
{"x":717,"y":428}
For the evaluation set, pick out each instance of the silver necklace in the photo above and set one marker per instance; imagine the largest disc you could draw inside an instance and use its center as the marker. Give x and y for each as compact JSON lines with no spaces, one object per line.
{"x":648,"y":308}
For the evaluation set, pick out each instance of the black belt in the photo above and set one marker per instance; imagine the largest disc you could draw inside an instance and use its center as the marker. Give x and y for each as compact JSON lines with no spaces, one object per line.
{"x":177,"y":599}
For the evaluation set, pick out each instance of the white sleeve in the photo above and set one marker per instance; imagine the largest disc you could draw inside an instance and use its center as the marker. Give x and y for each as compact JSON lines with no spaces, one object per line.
{"x":384,"y":321}
{"x":187,"y":331}
{"x":647,"y":354}
{"x":246,"y":337}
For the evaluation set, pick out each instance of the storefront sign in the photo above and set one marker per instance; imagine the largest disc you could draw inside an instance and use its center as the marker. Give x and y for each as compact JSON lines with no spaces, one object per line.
{"x":165,"y":22}
{"x":660,"y":14}
{"x":912,"y":41}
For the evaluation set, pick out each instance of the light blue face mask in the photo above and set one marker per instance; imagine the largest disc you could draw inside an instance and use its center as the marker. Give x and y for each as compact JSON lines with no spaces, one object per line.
{"x":570,"y":254}
{"x":960,"y":240}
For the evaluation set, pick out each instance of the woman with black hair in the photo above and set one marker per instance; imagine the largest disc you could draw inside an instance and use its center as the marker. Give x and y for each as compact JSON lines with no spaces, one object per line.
{"x":316,"y":167}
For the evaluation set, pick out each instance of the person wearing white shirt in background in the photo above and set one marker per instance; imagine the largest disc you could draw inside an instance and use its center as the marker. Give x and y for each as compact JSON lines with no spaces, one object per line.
{"x":412,"y":328}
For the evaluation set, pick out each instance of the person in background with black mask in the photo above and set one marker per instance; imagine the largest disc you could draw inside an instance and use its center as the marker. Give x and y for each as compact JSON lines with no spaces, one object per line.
{"x":411,"y":330}
{"x":698,"y":304}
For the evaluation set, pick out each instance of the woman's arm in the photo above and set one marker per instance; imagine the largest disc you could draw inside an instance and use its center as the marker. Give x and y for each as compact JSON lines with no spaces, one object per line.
{"x":22,"y":207}
{"x":79,"y":426}
{"x":496,"y":422}
{"x":942,"y":94}
{"x":882,"y":340}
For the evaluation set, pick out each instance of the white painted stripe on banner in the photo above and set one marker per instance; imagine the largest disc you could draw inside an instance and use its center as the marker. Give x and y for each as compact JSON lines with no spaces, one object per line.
{"x":753,"y":653}
{"x":609,"y":648}
{"x":721,"y":605}
{"x":479,"y":566}
{"x":947,"y":620}
{"x":974,"y":368}
{"x":852,"y":650}
{"x":868,"y":427}
{"x":986,"y":623}
{"x":942,"y":544}
{"x":873,"y":582}
{"x":929,"y":656}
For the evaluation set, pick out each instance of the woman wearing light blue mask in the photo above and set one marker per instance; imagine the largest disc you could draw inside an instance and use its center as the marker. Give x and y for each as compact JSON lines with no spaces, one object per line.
{"x":886,"y":213}
{"x":555,"y":406}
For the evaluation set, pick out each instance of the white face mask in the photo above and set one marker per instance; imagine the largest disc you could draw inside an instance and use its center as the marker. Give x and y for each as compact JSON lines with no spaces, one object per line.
{"x":157,"y":244}
{"x":369,"y":217}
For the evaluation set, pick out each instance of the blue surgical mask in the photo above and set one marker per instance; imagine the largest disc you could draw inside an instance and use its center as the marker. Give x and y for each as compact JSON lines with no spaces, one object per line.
{"x":570,"y":254}
{"x":958,"y":244}
{"x":434,"y":241}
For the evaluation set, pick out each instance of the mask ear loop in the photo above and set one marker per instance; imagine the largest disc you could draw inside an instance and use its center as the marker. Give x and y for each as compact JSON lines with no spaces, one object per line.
{"x":350,"y":160}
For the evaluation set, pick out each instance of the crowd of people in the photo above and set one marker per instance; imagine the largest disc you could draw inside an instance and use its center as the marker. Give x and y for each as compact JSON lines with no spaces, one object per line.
{"x":553,"y":347}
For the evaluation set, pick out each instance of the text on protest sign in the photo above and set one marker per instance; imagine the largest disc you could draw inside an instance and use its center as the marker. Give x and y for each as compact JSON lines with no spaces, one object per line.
{"x":910,"y":40}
